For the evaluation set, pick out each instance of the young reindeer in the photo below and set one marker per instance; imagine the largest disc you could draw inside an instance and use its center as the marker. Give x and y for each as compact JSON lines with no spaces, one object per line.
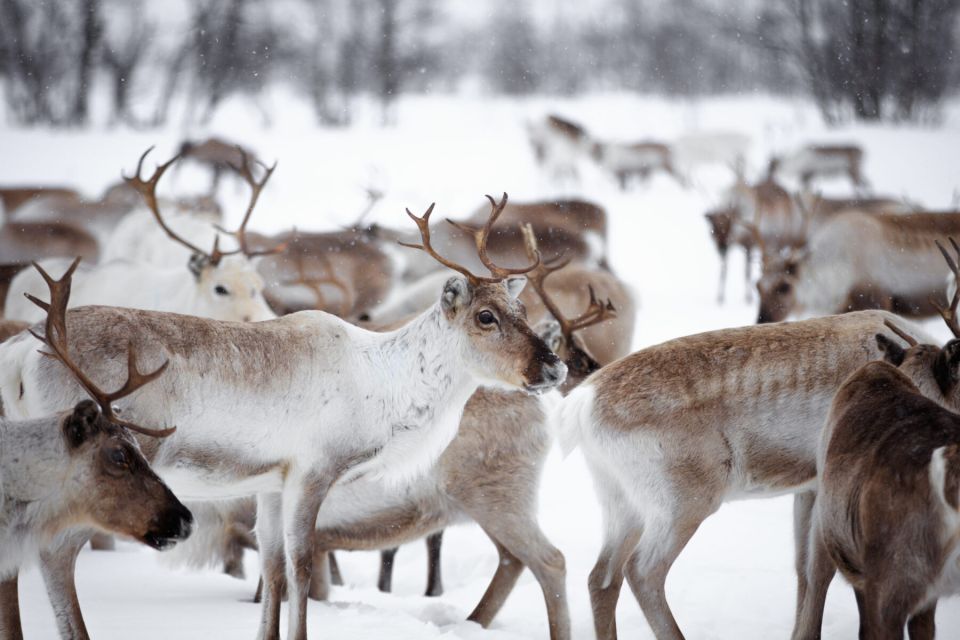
{"x":355,"y":403}
{"x":888,"y":507}
{"x":80,"y":467}
{"x":217,"y":284}
{"x":672,"y":431}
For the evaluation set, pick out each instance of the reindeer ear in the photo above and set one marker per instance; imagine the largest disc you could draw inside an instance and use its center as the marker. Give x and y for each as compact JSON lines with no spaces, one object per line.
{"x":515,"y":285}
{"x":196,"y":264}
{"x":948,"y":366}
{"x":456,"y":295}
{"x":892,"y":352}
{"x":81,"y":423}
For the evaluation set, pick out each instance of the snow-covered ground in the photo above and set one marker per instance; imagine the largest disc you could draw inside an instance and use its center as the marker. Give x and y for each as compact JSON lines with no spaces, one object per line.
{"x":734,"y":580}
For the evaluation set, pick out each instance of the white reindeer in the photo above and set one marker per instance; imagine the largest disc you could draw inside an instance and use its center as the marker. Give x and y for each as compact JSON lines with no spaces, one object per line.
{"x":223,"y":285}
{"x":286,"y":408}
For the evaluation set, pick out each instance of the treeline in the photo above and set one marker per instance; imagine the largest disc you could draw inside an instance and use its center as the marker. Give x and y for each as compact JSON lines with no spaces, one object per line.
{"x":867,"y":59}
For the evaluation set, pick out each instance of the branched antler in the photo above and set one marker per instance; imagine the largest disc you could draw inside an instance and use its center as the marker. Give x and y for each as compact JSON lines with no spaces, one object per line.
{"x":480,"y":236}
{"x":315,"y":284}
{"x":55,"y":337}
{"x":148,"y":191}
{"x":949,"y":314}
{"x":597,"y":311}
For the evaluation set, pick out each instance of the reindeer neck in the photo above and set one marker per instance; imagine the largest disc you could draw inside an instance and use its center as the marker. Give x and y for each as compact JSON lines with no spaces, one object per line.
{"x":422,"y":386}
{"x":423,"y":360}
{"x":32,"y":456}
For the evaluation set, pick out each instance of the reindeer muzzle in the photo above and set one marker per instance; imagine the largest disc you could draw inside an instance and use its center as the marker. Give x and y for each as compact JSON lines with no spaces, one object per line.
{"x":552,"y":374}
{"x":171,"y":526}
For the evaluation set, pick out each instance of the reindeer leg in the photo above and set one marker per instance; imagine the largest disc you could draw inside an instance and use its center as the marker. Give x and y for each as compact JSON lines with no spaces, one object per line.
{"x":102,"y":542}
{"x":434,"y":580}
{"x":666,"y":531}
{"x":802,"y":512}
{"x":385,"y":581}
{"x":622,"y":533}
{"x":723,"y":276}
{"x":922,"y":625}
{"x":57,"y":565}
{"x":270,"y":540}
{"x":521,"y":538}
{"x":302,"y":496}
{"x":335,"y":576}
{"x":320,"y":574}
{"x":885,"y":617}
{"x":818,"y":570}
{"x":10,"y":628}
{"x":747,"y":275}
{"x":508,"y":571}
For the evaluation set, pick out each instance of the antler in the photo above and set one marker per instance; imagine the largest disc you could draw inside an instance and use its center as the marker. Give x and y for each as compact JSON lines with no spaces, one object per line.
{"x":480,"y":236}
{"x":55,"y":338}
{"x":596,"y":312}
{"x":906,"y":337}
{"x":148,"y":191}
{"x":949,"y":314}
{"x":245,"y":171}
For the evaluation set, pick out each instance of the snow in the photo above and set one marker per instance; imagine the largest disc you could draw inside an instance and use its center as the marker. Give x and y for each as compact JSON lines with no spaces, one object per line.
{"x":736,"y":577}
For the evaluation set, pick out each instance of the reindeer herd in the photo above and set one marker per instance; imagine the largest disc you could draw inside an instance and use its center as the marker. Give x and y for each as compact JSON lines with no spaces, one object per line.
{"x":312,"y":392}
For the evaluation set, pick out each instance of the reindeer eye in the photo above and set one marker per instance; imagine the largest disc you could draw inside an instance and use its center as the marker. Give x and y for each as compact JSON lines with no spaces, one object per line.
{"x":118,"y":457}
{"x":487,"y":318}
{"x":221,"y":290}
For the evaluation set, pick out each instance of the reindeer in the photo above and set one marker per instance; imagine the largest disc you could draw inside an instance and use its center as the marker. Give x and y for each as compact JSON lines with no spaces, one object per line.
{"x":558,"y":144}
{"x":354,"y":403}
{"x":859,"y":260}
{"x":886,"y":512}
{"x":672,"y":431}
{"x":488,"y":474}
{"x":12,"y":197}
{"x":216,"y":284}
{"x":726,"y":230}
{"x":603,"y":326}
{"x":823,"y":161}
{"x":80,"y":467}
{"x":637,"y":159}
{"x":22,"y":242}
{"x":218,"y":155}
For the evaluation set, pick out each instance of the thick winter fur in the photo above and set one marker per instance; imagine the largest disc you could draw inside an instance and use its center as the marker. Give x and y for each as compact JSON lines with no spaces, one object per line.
{"x":230,"y":290}
{"x":893,"y":255}
{"x":887,"y":511}
{"x":75,"y":470}
{"x":672,"y":431}
{"x":286,"y":408}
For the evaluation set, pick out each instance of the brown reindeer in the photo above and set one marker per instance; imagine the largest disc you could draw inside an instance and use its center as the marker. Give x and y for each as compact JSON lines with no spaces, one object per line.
{"x":13,"y":197}
{"x":672,"y":431}
{"x":23,"y":242}
{"x":888,"y":507}
{"x":726,"y":231}
{"x":78,"y":468}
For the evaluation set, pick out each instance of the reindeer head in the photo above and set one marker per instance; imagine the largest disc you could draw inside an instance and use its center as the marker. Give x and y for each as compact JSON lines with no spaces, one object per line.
{"x":559,"y":331}
{"x":778,"y":285}
{"x":498,"y":346}
{"x":108,"y":482}
{"x":228,"y":285}
{"x":231,"y":289}
{"x":115,"y":488}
